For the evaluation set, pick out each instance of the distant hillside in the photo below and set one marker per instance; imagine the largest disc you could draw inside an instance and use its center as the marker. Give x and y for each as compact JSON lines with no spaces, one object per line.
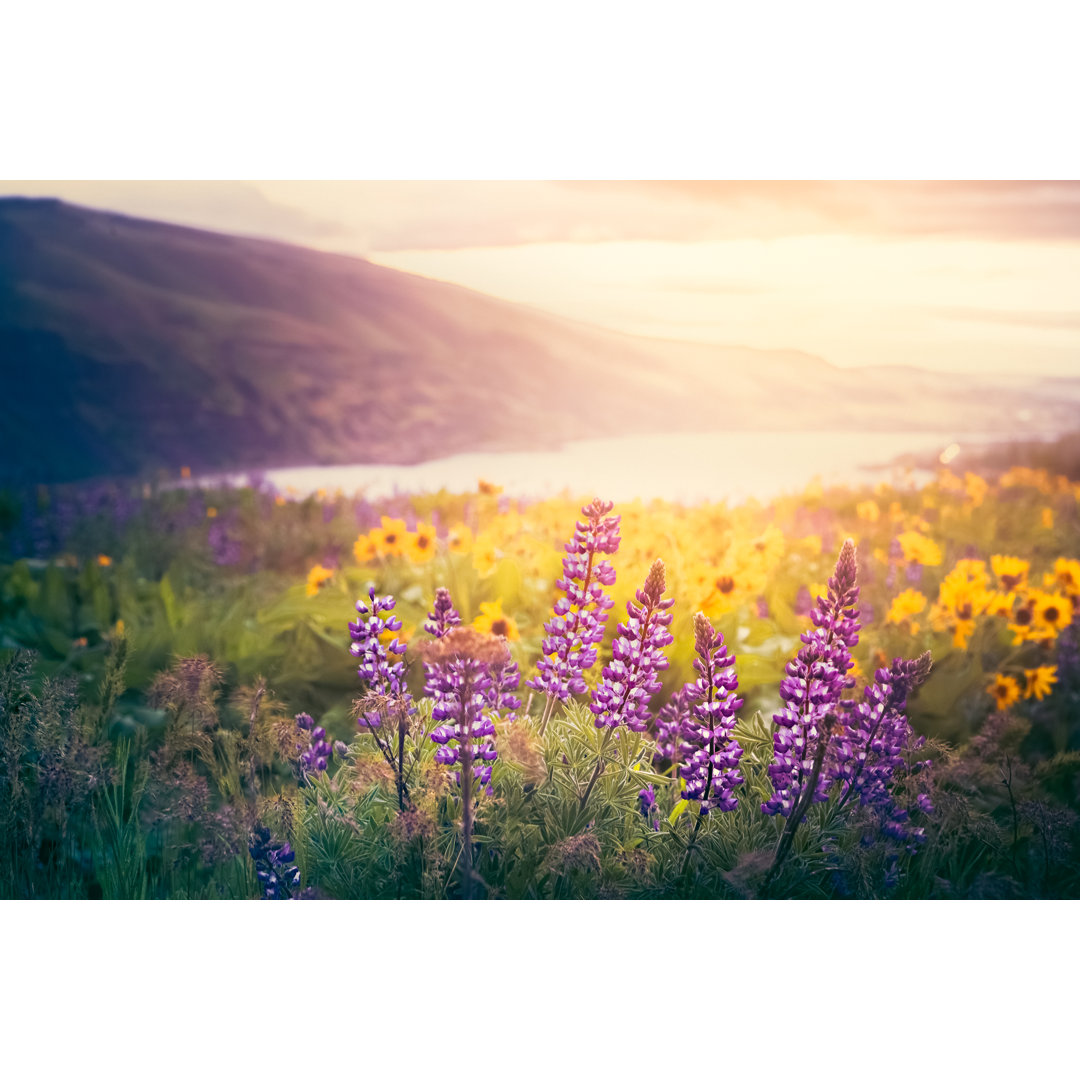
{"x":127,"y":345}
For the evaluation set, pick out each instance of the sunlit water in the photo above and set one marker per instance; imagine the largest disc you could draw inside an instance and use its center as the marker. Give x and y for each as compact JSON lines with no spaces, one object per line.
{"x":687,"y":468}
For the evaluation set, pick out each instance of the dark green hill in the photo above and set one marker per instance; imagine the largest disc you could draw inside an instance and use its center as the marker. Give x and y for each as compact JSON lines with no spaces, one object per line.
{"x":127,"y":345}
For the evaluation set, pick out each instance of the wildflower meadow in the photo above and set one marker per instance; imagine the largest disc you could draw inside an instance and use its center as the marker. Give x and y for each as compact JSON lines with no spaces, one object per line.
{"x":241,"y":692}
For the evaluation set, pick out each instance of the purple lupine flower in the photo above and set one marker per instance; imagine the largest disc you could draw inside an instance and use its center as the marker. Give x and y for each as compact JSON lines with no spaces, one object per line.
{"x":444,"y":617}
{"x":669,"y":722}
{"x":459,"y":666}
{"x":710,"y":751}
{"x":275,"y":867}
{"x":505,"y":679}
{"x":577,"y":627}
{"x":762,"y":607}
{"x":869,"y":747}
{"x":622,"y":696}
{"x":812,"y":689}
{"x":647,"y":806}
{"x":383,"y":676}
{"x":458,"y":676}
{"x":318,"y":753}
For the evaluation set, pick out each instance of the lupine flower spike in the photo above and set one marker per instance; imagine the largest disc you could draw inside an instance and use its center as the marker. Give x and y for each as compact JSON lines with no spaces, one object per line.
{"x":871,"y":746}
{"x":459,"y":668}
{"x":383,"y":675}
{"x":318,"y":752}
{"x":629,"y":682}
{"x":577,"y":626}
{"x":275,"y":867}
{"x":811,"y":692}
{"x":812,"y":689}
{"x":709,"y":749}
{"x":631,"y":679}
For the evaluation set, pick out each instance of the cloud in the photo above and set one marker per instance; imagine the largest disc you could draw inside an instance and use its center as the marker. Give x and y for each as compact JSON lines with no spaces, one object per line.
{"x":370,"y":216}
{"x":1039,"y":320}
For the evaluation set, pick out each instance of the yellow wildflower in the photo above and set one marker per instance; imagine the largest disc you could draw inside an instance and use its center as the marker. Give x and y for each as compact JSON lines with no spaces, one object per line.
{"x":211,"y":511}
{"x":421,"y":544}
{"x":279,"y":500}
{"x":1005,"y":691}
{"x":185,"y":472}
{"x":1066,"y":576}
{"x":1039,"y":681}
{"x":104,"y":560}
{"x":976,"y":488}
{"x":1011,"y":572}
{"x":460,"y":539}
{"x":485,"y":487}
{"x":492,"y":620}
{"x":390,"y":537}
{"x":484,"y":558}
{"x":1053,"y":612}
{"x":919,"y":549}
{"x":909,"y":602}
{"x":1047,"y":517}
{"x":364,"y":549}
{"x":317,"y":577}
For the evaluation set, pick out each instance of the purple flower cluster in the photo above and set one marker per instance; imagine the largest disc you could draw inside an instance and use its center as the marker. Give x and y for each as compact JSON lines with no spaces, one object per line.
{"x":318,"y":753}
{"x":709,"y":749}
{"x":275,"y":867}
{"x":870,"y":747}
{"x":669,"y":722}
{"x":444,"y":617}
{"x":647,"y":806}
{"x":379,"y":668}
{"x":460,"y":687}
{"x":622,"y":696}
{"x":812,"y":689}
{"x":458,"y":669}
{"x":577,"y":627}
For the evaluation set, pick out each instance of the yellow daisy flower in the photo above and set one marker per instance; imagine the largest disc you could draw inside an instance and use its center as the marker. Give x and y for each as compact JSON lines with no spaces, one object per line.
{"x":420,"y":545}
{"x":1066,"y":576}
{"x":910,"y":602}
{"x":364,"y":549}
{"x":317,"y":577}
{"x":484,"y":557}
{"x":868,"y":511}
{"x":1039,"y":681}
{"x":919,"y":549}
{"x":390,"y":537}
{"x":460,"y":539}
{"x":492,"y":620}
{"x":1011,"y":572}
{"x":1005,"y":691}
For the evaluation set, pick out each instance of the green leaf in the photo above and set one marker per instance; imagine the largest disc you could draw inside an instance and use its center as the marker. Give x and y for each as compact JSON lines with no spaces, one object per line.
{"x":680,"y":809}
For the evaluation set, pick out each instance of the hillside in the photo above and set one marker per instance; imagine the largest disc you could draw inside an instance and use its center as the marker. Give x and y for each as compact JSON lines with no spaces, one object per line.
{"x":127,"y":345}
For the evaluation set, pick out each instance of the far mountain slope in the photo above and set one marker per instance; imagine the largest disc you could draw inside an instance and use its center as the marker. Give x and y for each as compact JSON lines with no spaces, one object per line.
{"x":129,"y":344}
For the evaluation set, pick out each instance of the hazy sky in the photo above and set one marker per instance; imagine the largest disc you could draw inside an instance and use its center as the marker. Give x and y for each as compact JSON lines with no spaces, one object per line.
{"x":979,"y":276}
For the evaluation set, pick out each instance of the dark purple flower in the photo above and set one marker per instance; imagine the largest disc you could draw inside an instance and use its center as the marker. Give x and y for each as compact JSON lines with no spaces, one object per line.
{"x":577,"y":627}
{"x":669,"y":722}
{"x":629,"y":682}
{"x":318,"y":753}
{"x":812,"y":689}
{"x":647,"y":806}
{"x":275,"y":867}
{"x":444,"y":617}
{"x":709,"y":749}
{"x":869,"y":747}
{"x":380,"y":670}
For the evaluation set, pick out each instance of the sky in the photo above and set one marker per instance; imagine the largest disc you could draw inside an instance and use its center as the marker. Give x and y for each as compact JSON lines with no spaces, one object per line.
{"x":980,"y":276}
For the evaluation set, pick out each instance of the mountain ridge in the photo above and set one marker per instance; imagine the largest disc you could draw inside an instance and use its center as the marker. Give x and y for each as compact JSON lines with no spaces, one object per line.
{"x":128,"y":345}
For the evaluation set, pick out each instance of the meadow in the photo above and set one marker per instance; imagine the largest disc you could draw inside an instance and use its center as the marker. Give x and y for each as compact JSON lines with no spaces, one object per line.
{"x":241,"y":693}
